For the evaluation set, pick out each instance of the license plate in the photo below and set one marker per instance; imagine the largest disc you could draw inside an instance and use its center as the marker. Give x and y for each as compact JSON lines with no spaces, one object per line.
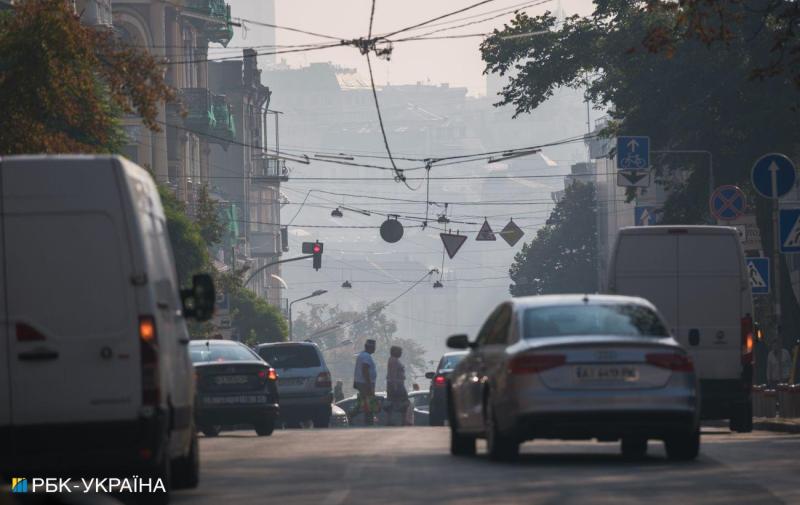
{"x":611,"y":373}
{"x":230,"y":379}
{"x":295,"y":381}
{"x":234,"y":399}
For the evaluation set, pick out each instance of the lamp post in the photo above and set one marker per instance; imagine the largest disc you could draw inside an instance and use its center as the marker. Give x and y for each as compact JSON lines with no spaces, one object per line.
{"x":312,"y":295}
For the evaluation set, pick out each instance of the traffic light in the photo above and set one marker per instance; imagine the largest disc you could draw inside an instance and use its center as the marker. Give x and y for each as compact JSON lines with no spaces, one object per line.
{"x":314,"y":248}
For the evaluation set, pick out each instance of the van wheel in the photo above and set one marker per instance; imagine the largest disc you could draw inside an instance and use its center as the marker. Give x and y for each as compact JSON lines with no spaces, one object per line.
{"x":264,"y":428}
{"x":683,"y":447}
{"x":634,"y":448}
{"x":742,"y":419}
{"x":211,"y":430}
{"x":186,"y":470}
{"x":501,"y":446}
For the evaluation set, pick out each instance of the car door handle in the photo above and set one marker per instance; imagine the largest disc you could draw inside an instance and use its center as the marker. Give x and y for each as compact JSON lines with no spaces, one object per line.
{"x":38,"y":355}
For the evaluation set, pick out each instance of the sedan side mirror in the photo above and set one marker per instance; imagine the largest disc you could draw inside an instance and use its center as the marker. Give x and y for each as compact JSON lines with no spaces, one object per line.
{"x":198,"y":302}
{"x":430,"y":375}
{"x":458,"y":342}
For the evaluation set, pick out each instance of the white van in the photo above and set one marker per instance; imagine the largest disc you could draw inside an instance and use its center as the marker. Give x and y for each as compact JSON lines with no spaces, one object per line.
{"x":697,"y":278}
{"x":95,"y":376}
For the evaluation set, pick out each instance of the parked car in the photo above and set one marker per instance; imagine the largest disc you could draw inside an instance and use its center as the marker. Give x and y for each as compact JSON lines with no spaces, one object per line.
{"x":574,"y":367}
{"x":698,"y":279}
{"x":420,"y":402}
{"x":96,"y":373}
{"x":438,"y":389}
{"x":304,"y":382}
{"x":234,"y":386}
{"x":339,"y":417}
{"x":356,"y":417}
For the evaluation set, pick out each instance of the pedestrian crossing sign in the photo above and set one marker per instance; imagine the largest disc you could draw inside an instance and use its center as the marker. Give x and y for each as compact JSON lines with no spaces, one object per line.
{"x":758,"y":271}
{"x":789,"y":225}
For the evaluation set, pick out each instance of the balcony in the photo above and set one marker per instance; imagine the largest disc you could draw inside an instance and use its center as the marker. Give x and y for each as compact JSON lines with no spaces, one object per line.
{"x":214,"y":18}
{"x":270,"y":171}
{"x":224,"y":131}
{"x":199,"y":105}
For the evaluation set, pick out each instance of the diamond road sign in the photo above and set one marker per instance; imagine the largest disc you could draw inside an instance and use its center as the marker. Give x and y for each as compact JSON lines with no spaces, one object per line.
{"x":789,"y":225}
{"x":633,"y":153}
{"x":511,"y":233}
{"x":758,"y":270}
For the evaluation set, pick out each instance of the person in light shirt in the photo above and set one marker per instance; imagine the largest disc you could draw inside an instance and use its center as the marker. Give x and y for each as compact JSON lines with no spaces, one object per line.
{"x":396,"y":391}
{"x":779,"y":364}
{"x":364,"y":378}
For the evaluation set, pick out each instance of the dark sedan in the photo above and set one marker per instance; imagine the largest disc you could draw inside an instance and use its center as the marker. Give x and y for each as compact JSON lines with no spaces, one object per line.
{"x":234,"y":386}
{"x":438,"y":396}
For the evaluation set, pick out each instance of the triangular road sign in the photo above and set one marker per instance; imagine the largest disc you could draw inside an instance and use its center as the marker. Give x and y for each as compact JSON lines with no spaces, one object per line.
{"x":633,"y":178}
{"x":512,"y":233}
{"x":486,"y":232}
{"x":452,"y":242}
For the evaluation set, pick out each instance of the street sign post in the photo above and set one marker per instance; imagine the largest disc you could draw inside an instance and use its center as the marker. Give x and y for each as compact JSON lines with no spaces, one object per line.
{"x":633,"y":178}
{"x":486,"y":232}
{"x":789,"y":224}
{"x":645,"y":216}
{"x":727,"y":203}
{"x":511,"y":233}
{"x":452,"y":242}
{"x":633,"y":153}
{"x":758,"y":270}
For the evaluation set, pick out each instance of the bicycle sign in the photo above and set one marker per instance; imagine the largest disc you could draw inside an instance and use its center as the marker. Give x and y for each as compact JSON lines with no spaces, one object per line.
{"x":633,"y":153}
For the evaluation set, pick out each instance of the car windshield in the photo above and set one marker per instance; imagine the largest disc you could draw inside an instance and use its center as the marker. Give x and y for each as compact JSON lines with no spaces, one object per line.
{"x":586,"y":319}
{"x":290,"y":356}
{"x":450,"y":362}
{"x":203,"y":353}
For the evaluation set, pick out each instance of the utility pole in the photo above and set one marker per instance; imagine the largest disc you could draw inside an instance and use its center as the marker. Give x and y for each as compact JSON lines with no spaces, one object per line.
{"x":312,"y":295}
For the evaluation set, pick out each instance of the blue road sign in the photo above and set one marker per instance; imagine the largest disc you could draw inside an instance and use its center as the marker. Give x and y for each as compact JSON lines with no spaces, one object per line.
{"x":777,"y":167}
{"x":789,"y":225}
{"x":758,"y":269}
{"x":633,"y":153}
{"x":727,"y":203}
{"x":645,"y":216}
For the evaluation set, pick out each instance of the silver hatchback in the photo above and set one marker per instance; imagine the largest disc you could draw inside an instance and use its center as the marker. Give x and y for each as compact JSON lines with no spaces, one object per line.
{"x":574,"y":367}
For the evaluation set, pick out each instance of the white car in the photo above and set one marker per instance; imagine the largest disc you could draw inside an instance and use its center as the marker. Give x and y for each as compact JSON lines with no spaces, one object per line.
{"x":93,"y":340}
{"x":573,"y":367}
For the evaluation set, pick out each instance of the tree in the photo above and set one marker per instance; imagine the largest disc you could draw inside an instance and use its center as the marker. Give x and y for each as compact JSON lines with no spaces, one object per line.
{"x":64,"y":86}
{"x":188,"y":247}
{"x":207,"y":217}
{"x":562,"y":257}
{"x":255,"y":320}
{"x":691,"y":95}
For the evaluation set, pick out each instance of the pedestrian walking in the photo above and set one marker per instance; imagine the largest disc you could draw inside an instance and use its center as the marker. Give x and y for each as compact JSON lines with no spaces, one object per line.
{"x":779,"y":364}
{"x":364,"y":381}
{"x":396,"y":391}
{"x":338,"y":392}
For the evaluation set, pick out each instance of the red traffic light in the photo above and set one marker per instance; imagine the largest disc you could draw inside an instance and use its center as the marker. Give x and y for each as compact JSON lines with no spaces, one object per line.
{"x":316,"y":249}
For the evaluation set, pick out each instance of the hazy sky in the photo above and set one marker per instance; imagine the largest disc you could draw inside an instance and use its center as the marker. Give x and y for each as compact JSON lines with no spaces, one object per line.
{"x":456,"y":61}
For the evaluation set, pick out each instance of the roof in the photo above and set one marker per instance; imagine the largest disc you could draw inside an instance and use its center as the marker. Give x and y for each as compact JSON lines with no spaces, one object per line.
{"x":215,"y":341}
{"x":278,"y":344}
{"x":595,"y":299}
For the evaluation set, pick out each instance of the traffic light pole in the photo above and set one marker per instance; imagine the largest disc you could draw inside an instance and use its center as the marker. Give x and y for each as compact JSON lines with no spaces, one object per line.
{"x":273,"y":263}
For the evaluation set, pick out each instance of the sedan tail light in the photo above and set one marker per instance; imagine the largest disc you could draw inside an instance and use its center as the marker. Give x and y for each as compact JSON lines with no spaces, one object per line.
{"x":323,"y":380}
{"x":535,"y":363}
{"x":671,"y":361}
{"x":439,"y":380}
{"x":267,"y":374}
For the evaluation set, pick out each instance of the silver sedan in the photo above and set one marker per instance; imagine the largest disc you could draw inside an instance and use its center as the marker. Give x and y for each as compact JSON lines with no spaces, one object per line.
{"x":574,"y":367}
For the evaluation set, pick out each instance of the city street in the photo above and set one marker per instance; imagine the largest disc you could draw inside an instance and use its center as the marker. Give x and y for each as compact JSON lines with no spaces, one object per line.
{"x":412,"y":465}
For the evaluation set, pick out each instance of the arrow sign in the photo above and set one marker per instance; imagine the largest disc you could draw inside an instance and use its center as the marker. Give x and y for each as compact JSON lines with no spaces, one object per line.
{"x":512,"y":233}
{"x":486,"y":232}
{"x":633,"y":153}
{"x":645,"y":216}
{"x":773,"y":175}
{"x":452,"y":242}
{"x":632,"y":145}
{"x":633,"y":178}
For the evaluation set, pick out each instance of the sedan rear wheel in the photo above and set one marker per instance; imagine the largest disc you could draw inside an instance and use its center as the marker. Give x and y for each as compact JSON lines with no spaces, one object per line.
{"x":211,"y":430}
{"x":501,"y":446}
{"x":683,"y":447}
{"x":634,"y":447}
{"x":265,"y":427}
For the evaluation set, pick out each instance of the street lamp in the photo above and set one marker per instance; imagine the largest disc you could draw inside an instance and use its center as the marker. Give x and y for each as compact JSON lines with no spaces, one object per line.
{"x":312,"y":295}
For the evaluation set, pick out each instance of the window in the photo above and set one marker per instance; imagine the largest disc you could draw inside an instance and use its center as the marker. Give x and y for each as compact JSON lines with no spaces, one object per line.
{"x":450,"y":362}
{"x":578,"y":320}
{"x":290,"y":356}
{"x":499,"y":331}
{"x":210,"y":352}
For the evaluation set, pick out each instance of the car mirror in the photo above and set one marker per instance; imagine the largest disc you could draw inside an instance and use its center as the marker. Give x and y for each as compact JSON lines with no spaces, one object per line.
{"x":458,"y":342}
{"x":198,"y":302}
{"x":430,"y":375}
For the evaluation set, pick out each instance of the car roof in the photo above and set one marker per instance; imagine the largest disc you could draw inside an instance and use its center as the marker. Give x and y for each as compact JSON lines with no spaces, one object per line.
{"x":526,"y":302}
{"x":286,"y":344}
{"x":215,"y":341}
{"x":454,"y":353}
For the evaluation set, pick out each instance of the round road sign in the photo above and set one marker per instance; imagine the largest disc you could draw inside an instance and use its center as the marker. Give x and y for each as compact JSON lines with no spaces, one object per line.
{"x":773,"y":175}
{"x":727,"y":203}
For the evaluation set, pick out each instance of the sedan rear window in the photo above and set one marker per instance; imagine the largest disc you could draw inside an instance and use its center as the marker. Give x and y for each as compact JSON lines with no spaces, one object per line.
{"x":450,"y":362}
{"x":586,"y":319}
{"x":290,"y":356}
{"x":203,"y":353}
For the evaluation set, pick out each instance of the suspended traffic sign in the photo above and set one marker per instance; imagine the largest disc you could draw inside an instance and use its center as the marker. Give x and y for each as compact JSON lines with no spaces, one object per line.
{"x":391,"y":230}
{"x":727,"y":203}
{"x":512,"y":233}
{"x":486,"y":232}
{"x":452,"y":242}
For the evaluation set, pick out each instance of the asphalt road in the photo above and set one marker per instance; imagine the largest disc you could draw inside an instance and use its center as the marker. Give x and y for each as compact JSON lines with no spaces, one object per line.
{"x":412,"y":465}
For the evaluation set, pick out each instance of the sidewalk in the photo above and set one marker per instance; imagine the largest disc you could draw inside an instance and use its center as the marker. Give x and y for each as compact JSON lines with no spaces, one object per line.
{"x":764,"y":424}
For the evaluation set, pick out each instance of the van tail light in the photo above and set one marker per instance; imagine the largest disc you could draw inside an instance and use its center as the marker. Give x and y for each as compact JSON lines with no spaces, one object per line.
{"x":535,"y":363}
{"x":323,"y":380}
{"x":148,"y":345}
{"x":747,"y":340}
{"x":439,"y":380}
{"x":671,"y":361}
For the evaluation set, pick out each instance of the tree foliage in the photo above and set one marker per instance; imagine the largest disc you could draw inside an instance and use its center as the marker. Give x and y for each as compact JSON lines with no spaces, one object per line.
{"x":188,"y":247}
{"x":64,"y":86}
{"x":255,"y":320}
{"x":562,"y":257}
{"x":207,"y":217}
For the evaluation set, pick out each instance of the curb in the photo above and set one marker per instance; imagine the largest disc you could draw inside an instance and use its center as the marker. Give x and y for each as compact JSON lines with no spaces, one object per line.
{"x":762,"y":424}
